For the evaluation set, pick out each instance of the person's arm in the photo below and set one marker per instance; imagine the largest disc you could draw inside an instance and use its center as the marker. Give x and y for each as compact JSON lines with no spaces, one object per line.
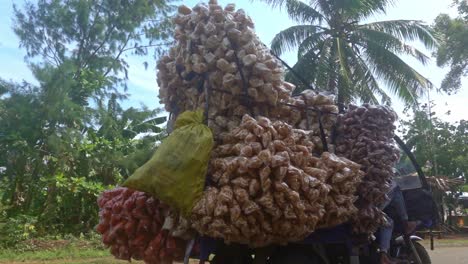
{"x":398,"y":202}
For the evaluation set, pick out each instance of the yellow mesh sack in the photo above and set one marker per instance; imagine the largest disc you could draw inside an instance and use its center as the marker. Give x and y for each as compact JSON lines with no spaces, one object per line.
{"x":176,"y":172}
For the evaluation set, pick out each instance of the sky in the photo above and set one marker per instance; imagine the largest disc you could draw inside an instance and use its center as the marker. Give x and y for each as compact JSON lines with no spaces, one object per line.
{"x":142,"y":82}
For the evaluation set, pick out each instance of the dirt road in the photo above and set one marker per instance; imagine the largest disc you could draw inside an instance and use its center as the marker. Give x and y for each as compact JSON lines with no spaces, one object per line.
{"x":449,"y":255}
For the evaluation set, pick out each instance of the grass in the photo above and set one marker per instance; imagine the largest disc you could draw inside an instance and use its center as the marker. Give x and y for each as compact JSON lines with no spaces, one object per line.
{"x":66,"y":253}
{"x":103,"y":260}
{"x":58,"y":251}
{"x":464,"y":188}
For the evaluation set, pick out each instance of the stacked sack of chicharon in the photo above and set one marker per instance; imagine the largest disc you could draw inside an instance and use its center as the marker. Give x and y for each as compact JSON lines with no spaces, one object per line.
{"x":268,"y":181}
{"x":303,"y":116}
{"x":366,"y":137}
{"x":217,"y":50}
{"x":346,"y":177}
{"x":136,"y":225}
{"x":268,"y":188}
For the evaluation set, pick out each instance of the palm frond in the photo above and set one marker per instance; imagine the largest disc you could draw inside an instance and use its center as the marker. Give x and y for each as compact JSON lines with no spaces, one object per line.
{"x":323,"y":5}
{"x":411,"y":30}
{"x":303,"y":13}
{"x":360,"y":9}
{"x":305,"y":68}
{"x":342,"y":60}
{"x":401,"y":79}
{"x":391,"y":43}
{"x":292,"y":37}
{"x":312,"y":66}
{"x":311,"y":43}
{"x":376,"y":6}
{"x":325,"y":65}
{"x":366,"y":86}
{"x":356,"y":82}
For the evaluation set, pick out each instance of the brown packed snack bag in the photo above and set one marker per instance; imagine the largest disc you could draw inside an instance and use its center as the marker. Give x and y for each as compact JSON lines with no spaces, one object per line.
{"x":217,"y":49}
{"x":279,"y":194}
{"x":366,"y":137}
{"x":137,"y":226}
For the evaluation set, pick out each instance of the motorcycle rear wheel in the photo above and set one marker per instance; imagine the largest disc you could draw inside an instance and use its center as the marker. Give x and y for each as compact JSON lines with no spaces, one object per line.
{"x":422,"y":252}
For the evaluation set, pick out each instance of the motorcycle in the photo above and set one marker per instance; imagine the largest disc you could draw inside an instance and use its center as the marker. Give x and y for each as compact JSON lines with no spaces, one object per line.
{"x":420,"y":207}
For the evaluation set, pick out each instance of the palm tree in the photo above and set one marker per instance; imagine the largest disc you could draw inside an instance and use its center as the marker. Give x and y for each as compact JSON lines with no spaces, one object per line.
{"x":339,"y":54}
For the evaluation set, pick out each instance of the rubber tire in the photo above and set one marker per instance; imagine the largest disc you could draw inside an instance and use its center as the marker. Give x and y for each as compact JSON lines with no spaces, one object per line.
{"x":422,"y":252}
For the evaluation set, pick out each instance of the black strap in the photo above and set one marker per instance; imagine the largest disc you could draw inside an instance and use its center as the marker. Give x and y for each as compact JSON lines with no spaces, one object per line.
{"x":334,"y":133}
{"x":323,"y":137}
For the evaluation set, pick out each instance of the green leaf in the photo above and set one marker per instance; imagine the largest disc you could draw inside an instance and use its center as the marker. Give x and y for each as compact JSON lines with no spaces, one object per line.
{"x":400,"y":78}
{"x":410,"y":30}
{"x":292,"y":37}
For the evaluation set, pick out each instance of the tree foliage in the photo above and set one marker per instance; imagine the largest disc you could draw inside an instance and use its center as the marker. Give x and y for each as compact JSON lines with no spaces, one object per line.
{"x":440,"y":146}
{"x":453,"y":33}
{"x":338,"y":53}
{"x":66,"y":139}
{"x":91,"y":38}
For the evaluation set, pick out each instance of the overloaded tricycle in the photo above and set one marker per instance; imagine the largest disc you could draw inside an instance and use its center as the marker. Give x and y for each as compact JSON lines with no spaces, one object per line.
{"x":254,"y":171}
